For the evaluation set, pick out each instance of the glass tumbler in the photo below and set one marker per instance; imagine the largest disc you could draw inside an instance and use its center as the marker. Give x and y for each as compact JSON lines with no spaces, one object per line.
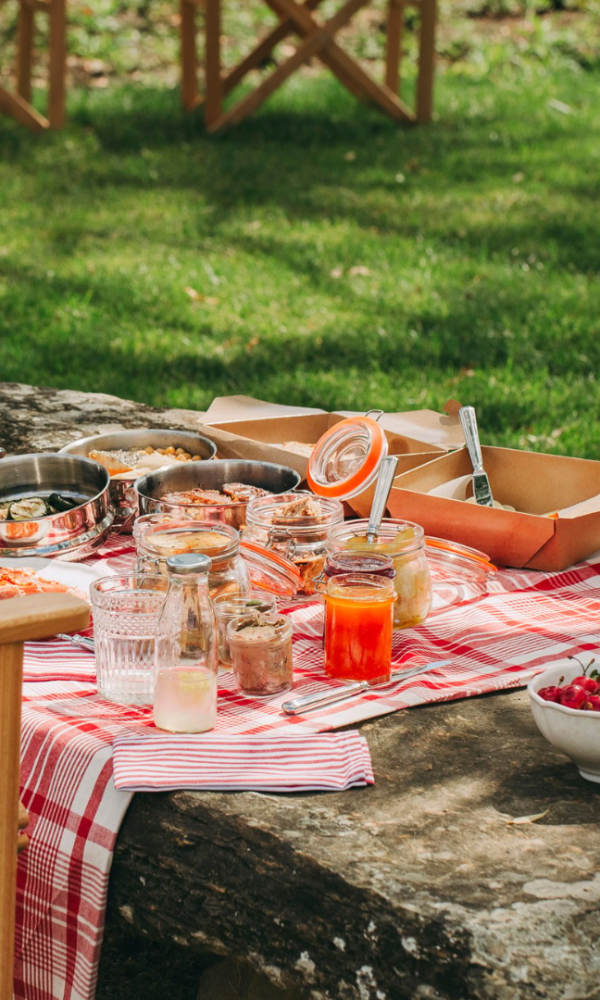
{"x":126,"y":614}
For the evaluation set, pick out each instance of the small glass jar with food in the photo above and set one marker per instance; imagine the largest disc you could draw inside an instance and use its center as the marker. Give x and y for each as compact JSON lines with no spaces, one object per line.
{"x":229,"y":608}
{"x":358,"y":627}
{"x":404,"y":542}
{"x":295,"y":525}
{"x":261,"y":653}
{"x":221,"y":543}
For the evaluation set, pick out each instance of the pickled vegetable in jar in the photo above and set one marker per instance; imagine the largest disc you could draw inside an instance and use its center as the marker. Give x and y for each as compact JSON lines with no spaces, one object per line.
{"x":404,"y":543}
{"x":358,"y":627}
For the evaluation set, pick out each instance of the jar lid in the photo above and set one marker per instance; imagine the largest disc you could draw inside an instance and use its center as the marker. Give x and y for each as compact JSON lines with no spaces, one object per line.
{"x":188,"y":562}
{"x":459,"y":574}
{"x":346,"y":459}
{"x":269,"y":571}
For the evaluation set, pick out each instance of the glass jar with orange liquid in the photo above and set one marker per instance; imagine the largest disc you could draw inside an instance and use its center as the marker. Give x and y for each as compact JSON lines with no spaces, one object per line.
{"x":358,"y":627}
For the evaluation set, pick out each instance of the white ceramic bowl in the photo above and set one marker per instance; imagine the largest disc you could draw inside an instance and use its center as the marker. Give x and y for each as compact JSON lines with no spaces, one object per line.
{"x":574,"y":732}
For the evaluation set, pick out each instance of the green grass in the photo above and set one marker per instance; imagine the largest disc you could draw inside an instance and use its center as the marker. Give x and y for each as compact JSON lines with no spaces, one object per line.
{"x":317,"y":253}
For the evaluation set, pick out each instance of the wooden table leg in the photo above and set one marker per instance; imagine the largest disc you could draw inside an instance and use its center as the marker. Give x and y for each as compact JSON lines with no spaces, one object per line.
{"x":213,"y":102}
{"x":58,"y":63}
{"x":426,"y":60}
{"x":189,"y":62}
{"x":11,"y":675}
{"x":395,"y":25}
{"x":25,"y":50}
{"x":14,"y":106}
{"x":344,"y":66}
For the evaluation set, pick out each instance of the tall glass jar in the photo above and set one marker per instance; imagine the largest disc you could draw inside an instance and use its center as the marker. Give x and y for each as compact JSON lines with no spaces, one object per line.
{"x":295,"y":525}
{"x":221,"y":543}
{"x":358,"y":627}
{"x":185,"y":692}
{"x":404,"y":542}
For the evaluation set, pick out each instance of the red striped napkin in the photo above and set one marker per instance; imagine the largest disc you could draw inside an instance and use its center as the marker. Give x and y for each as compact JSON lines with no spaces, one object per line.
{"x":299,"y":763}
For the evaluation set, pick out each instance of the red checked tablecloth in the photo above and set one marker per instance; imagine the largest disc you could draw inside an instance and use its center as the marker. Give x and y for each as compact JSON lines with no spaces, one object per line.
{"x":527,"y":620}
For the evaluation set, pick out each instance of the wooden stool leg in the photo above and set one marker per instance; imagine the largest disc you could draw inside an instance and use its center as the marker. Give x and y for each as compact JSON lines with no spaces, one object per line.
{"x":11,"y":673}
{"x":395,"y":25}
{"x":214,"y":86}
{"x":58,"y":63}
{"x":426,"y":60}
{"x":25,"y":50}
{"x":189,"y":62}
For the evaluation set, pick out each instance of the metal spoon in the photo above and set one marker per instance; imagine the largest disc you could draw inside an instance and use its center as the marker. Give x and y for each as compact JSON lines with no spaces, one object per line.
{"x":385,"y":478}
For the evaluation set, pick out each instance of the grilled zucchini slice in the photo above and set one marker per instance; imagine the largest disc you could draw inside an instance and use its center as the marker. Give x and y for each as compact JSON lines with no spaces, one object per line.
{"x":28,"y":509}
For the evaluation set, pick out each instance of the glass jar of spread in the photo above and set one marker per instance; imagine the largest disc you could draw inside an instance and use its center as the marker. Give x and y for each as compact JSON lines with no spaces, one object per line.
{"x":295,"y":525}
{"x":261,"y":653}
{"x":404,"y":543}
{"x":221,"y":543}
{"x":374,"y":563}
{"x":229,"y":608}
{"x":358,"y":627}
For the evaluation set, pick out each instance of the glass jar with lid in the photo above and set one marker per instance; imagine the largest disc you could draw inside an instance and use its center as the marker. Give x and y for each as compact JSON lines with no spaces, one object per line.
{"x":404,"y":542}
{"x":295,"y":526}
{"x":220,"y":542}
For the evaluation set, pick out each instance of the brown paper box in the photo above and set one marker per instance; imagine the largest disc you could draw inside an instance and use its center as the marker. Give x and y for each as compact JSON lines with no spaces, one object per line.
{"x":535,"y":484}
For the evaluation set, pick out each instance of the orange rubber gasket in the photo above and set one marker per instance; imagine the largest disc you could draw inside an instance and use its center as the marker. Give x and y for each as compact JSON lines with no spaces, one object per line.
{"x":353,"y":483}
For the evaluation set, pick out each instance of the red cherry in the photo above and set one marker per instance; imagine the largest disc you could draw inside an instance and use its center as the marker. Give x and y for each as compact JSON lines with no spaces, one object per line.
{"x":573,"y":696}
{"x":592,"y":704}
{"x":587,"y":683}
{"x":550,"y":693}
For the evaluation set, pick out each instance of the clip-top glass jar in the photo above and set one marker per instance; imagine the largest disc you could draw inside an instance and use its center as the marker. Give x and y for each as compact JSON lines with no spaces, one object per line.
{"x":185,"y":692}
{"x":358,"y":627}
{"x":295,"y":525}
{"x":221,"y":543}
{"x":404,"y":542}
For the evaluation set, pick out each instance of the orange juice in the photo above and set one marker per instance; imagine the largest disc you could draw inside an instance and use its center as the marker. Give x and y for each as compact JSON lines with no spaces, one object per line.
{"x":358,"y":627}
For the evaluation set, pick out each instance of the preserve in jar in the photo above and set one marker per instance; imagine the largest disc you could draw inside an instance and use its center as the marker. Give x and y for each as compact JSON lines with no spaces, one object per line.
{"x":295,"y":526}
{"x":404,"y":542}
{"x":228,"y":608}
{"x":261,"y":653}
{"x":358,"y":627}
{"x":221,"y":543}
{"x":374,"y":563}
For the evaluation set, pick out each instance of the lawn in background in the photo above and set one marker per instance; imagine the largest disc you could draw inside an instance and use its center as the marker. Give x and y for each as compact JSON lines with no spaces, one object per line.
{"x":318,"y":254}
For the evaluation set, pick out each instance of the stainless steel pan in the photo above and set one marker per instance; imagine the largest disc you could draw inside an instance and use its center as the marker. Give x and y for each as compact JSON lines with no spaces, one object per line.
{"x":72,"y":534}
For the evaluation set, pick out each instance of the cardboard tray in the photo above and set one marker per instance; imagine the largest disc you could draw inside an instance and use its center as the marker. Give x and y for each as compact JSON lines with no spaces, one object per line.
{"x":557,"y":499}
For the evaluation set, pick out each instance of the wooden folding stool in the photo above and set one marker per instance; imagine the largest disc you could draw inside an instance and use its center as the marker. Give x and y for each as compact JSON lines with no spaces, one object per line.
{"x":21,"y":619}
{"x":317,"y":38}
{"x":17,"y":103}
